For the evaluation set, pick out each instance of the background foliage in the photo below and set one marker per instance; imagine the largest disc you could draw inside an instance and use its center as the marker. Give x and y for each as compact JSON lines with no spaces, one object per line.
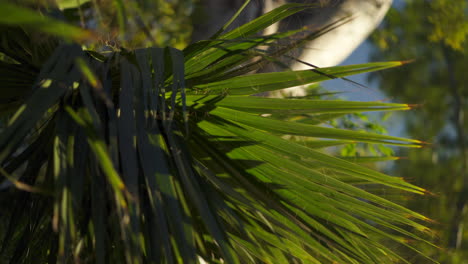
{"x":434,"y":33}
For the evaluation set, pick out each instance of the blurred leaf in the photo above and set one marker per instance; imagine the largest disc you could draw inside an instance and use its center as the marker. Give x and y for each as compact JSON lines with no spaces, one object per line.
{"x":14,"y":15}
{"x":64,"y":4}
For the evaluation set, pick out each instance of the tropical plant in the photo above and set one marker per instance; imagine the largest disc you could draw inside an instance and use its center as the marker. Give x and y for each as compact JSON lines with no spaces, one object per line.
{"x":158,"y":155}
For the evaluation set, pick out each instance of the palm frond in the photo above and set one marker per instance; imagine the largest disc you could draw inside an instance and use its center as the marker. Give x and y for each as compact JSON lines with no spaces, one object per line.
{"x":144,"y":163}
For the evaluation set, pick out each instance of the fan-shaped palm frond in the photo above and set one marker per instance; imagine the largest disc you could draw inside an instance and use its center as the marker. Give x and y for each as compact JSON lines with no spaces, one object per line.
{"x":163,"y":156}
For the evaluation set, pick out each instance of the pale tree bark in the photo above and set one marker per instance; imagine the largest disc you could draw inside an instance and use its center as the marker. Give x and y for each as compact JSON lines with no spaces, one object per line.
{"x":335,"y":46}
{"x":327,"y":50}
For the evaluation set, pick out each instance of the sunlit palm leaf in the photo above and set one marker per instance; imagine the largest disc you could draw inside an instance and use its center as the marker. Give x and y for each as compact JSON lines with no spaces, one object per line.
{"x":143,"y":167}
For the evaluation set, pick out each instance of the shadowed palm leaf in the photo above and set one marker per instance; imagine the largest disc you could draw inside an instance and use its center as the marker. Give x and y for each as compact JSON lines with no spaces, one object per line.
{"x":163,"y":156}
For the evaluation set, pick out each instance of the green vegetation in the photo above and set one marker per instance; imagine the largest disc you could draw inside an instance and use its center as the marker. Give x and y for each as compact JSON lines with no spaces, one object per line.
{"x":160,"y":155}
{"x":434,"y":34}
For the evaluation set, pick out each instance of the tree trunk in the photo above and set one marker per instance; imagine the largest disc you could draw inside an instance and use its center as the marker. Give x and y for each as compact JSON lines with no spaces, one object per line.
{"x":327,"y":50}
{"x":335,"y":46}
